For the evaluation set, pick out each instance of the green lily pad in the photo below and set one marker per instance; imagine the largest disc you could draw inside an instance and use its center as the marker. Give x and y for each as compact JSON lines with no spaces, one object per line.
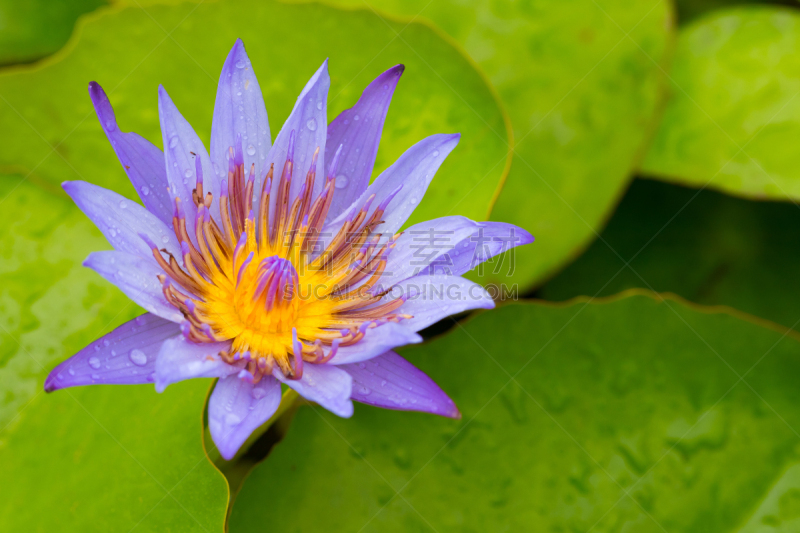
{"x":33,"y":29}
{"x":50,"y":127}
{"x":101,"y":458}
{"x":625,"y":415}
{"x":706,"y":246}
{"x":581,"y":97}
{"x":734,"y":113}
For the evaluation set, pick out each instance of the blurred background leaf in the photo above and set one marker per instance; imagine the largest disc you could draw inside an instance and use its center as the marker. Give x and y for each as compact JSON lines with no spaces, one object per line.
{"x":703,"y":245}
{"x":32,"y":29}
{"x":581,"y":107}
{"x":99,"y":458}
{"x":626,"y":415}
{"x":734,"y":112}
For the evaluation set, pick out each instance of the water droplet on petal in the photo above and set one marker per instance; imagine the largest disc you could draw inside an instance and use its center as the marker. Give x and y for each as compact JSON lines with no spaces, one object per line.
{"x":383,"y":383}
{"x":251,"y":150}
{"x":187,"y":173}
{"x":145,"y":190}
{"x":341,"y":181}
{"x":59,"y":376}
{"x":356,"y":117}
{"x":319,"y":105}
{"x":113,"y":232}
{"x":258,"y":393}
{"x":138,"y":357}
{"x":71,"y":371}
{"x":231,"y":419}
{"x":111,"y":125}
{"x":122,"y":204}
{"x":240,"y":64}
{"x":164,"y":239}
{"x":312,"y":124}
{"x":173,"y":142}
{"x":95,"y":377}
{"x":385,"y":86}
{"x":94,"y":362}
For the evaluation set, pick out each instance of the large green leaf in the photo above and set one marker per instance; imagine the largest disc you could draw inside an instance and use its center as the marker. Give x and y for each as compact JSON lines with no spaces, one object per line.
{"x":32,"y":29}
{"x":706,"y":246}
{"x":50,"y":128}
{"x":734,"y":113}
{"x":95,"y":458}
{"x":627,"y":415}
{"x":581,"y":81}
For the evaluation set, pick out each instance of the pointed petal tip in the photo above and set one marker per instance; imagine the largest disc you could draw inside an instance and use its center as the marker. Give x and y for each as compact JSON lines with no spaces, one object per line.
{"x":488,"y":303}
{"x":227,"y":452}
{"x":236,"y":50}
{"x":345,"y":410}
{"x":162,"y":94}
{"x":49,"y":383}
{"x":525,"y":237}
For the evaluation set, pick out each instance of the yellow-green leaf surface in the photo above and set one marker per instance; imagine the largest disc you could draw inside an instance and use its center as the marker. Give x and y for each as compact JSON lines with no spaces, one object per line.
{"x":625,"y":415}
{"x":707,"y":246}
{"x":735,"y":112}
{"x":98,"y":458}
{"x":32,"y":29}
{"x":50,"y":127}
{"x":581,"y":81}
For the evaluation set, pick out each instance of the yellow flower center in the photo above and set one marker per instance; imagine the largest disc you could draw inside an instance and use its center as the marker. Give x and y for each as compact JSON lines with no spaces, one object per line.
{"x":262,"y":281}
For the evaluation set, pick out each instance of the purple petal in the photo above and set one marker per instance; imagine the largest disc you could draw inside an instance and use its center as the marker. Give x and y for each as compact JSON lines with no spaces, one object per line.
{"x":490,"y":239}
{"x":126,"y":356}
{"x":358,"y":131}
{"x":137,"y":278}
{"x":238,"y":407}
{"x":422,"y":243}
{"x":375,"y":342}
{"x":122,"y":220}
{"x":180,"y":359}
{"x":414,"y":171}
{"x":308,"y":120}
{"x":181,"y":146}
{"x":324,"y":384}
{"x":434,"y":297}
{"x":239,"y":110}
{"x":143,"y":162}
{"x":391,"y":382}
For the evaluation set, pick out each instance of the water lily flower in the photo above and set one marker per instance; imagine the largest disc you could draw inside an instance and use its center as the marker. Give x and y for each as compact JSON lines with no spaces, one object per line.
{"x":264,"y":264}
